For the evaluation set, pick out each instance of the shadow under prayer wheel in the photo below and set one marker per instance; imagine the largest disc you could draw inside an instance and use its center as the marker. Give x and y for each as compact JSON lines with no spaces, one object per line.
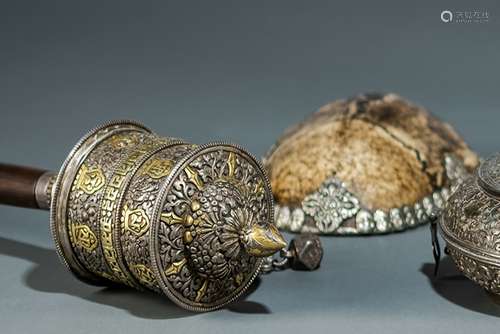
{"x":191,"y":222}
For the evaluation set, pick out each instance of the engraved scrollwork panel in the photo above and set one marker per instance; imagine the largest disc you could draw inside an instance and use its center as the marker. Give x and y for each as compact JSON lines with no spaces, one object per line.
{"x":86,"y":195}
{"x":486,"y":275}
{"x":137,"y":210}
{"x":473,"y":217}
{"x":135,"y":220}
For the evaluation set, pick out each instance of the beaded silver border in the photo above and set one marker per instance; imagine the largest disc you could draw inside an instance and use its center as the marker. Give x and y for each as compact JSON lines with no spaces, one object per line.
{"x":335,"y":205}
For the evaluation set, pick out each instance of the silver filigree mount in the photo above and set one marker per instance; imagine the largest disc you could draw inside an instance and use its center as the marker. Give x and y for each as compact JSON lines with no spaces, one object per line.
{"x":332,"y":209}
{"x":330,"y":205}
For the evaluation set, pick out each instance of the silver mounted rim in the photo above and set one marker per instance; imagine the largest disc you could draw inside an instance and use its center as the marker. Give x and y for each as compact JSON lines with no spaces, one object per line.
{"x":343,"y":206}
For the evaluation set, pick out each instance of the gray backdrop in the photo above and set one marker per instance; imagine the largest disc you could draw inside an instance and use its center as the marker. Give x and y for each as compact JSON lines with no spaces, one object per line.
{"x":241,"y":71}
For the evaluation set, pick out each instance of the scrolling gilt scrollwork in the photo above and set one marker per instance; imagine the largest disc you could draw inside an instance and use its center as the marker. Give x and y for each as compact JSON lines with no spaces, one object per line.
{"x":90,"y":179}
{"x":158,"y":168}
{"x":83,"y":236}
{"x":135,"y":221}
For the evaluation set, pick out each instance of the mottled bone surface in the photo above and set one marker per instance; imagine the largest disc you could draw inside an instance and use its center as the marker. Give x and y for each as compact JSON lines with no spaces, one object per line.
{"x":388,"y":152}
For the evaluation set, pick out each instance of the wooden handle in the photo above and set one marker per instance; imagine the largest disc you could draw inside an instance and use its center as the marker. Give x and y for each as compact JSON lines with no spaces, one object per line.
{"x":17,"y":185}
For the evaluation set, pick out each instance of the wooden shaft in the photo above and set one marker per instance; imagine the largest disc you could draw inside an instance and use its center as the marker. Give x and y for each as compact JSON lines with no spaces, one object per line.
{"x":17,"y":185}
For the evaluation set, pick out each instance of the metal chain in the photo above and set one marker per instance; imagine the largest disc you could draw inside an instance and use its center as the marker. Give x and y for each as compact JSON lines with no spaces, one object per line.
{"x":271,"y":263}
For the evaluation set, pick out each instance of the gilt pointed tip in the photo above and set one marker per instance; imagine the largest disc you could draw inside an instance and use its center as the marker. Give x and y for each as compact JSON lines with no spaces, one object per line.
{"x":264,"y":240}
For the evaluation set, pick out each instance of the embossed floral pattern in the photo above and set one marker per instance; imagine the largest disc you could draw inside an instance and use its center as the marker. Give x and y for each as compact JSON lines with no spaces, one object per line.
{"x":330,"y":205}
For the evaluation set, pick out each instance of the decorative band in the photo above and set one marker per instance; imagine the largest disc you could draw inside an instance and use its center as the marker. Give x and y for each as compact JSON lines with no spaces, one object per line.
{"x":328,"y":209}
{"x":109,"y":204}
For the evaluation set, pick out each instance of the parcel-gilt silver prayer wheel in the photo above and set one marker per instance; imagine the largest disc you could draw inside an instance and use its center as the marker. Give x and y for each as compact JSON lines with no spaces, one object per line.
{"x":188,"y":221}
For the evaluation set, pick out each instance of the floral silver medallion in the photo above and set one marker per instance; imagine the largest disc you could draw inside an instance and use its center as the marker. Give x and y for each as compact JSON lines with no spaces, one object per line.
{"x":330,"y":205}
